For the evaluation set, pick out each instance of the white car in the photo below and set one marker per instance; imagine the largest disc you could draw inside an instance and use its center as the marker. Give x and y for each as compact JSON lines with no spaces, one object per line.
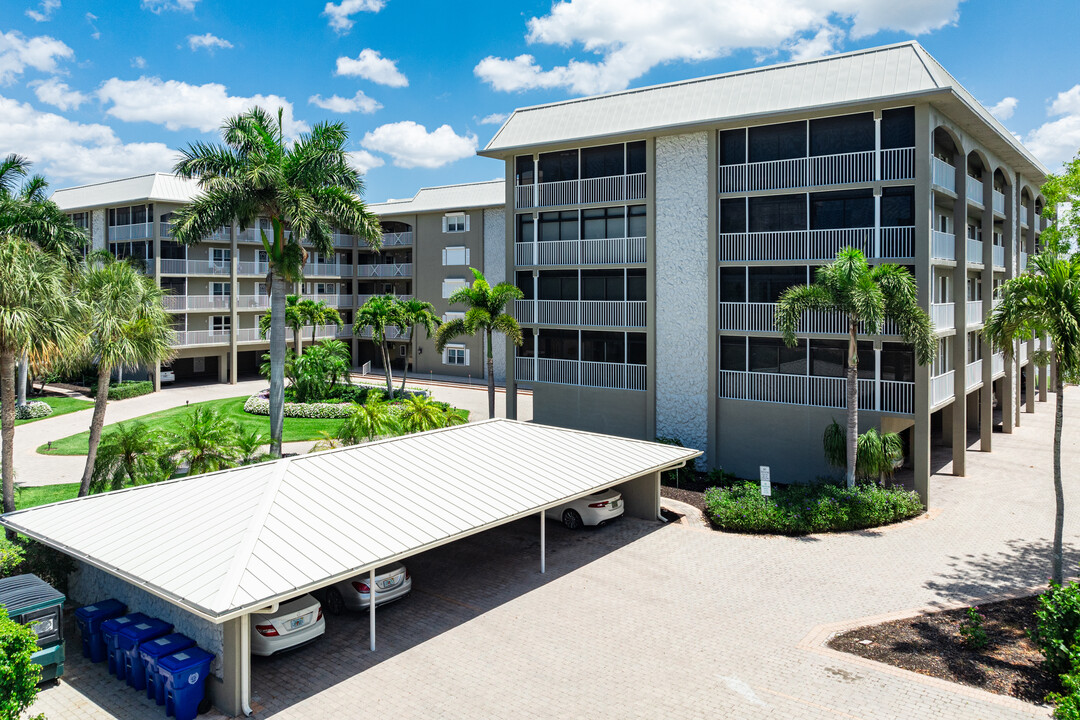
{"x":391,"y":583}
{"x":296,"y":622}
{"x":168,"y":375}
{"x":595,"y":509}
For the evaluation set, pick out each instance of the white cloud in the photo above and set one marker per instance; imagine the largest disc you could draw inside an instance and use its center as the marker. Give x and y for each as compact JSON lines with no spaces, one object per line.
{"x":341,"y":14}
{"x":207,"y":41}
{"x":178,"y":105}
{"x":1057,"y":141}
{"x":369,"y":64}
{"x":91,"y":19}
{"x":48,"y":7}
{"x":17,"y":52}
{"x":630,"y":37}
{"x":1004,"y":109}
{"x":411,"y":145}
{"x":159,"y":6}
{"x":75,"y":152}
{"x":57,"y":93}
{"x":357,"y":103}
{"x":138,"y":62}
{"x":494,"y":119}
{"x":364,"y":161}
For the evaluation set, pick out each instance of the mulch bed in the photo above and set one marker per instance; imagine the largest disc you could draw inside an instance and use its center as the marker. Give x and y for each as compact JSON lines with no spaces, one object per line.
{"x":930,"y":645}
{"x":690,"y":497}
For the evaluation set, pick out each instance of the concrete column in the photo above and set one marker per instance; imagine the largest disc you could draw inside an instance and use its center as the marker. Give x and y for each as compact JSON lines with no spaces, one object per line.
{"x":1044,"y":373}
{"x":227,"y":693}
{"x":920,"y":434}
{"x":947,"y":424}
{"x":650,"y":287}
{"x":234,"y":288}
{"x":511,"y":276}
{"x":986,"y":397}
{"x":156,"y":379}
{"x":960,"y":358}
{"x":973,"y":413}
{"x":223,"y":367}
{"x":1009,"y":383}
{"x":1029,"y":383}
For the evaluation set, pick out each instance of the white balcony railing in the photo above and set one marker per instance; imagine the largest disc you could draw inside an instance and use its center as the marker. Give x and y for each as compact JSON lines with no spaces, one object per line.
{"x":202,"y":337}
{"x":609,"y":251}
{"x":135,"y":231}
{"x":312,"y":269}
{"x":941,"y":389}
{"x":195,"y":267}
{"x":392,"y":333}
{"x":334,"y":300}
{"x":394,"y":239}
{"x":999,"y":256}
{"x":974,"y":312}
{"x":944,"y":174}
{"x":1023,"y":353}
{"x":617,"y":376}
{"x":974,"y":189}
{"x":761,"y":317}
{"x":831,"y":392}
{"x":385,"y":270}
{"x":943,"y":315}
{"x":943,"y":245}
{"x":252,"y":302}
{"x":585,"y":313}
{"x":613,"y":188}
{"x":361,"y":299}
{"x":838,"y":169}
{"x":197,"y":302}
{"x":898,"y":164}
{"x":997,"y":364}
{"x":972,"y":374}
{"x":999,"y":202}
{"x":1023,"y":261}
{"x":974,"y":251}
{"x":886,"y":242}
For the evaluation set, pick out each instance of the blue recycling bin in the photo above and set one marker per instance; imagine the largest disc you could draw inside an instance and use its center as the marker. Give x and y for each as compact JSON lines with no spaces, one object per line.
{"x":110,"y":630}
{"x":185,"y":681}
{"x":127,"y":643}
{"x":152,"y":651}
{"x":89,"y":619}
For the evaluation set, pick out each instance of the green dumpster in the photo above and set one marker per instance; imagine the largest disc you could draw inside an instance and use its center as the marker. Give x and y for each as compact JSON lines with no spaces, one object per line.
{"x":29,"y":600}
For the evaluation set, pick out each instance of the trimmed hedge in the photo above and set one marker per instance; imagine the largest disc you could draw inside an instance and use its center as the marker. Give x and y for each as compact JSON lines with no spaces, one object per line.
{"x":126,"y":389}
{"x":258,"y":405}
{"x":803,"y":509}
{"x":33,"y":410}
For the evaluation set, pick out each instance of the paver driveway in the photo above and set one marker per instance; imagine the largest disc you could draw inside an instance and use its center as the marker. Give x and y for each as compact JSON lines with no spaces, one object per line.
{"x":641,"y":620}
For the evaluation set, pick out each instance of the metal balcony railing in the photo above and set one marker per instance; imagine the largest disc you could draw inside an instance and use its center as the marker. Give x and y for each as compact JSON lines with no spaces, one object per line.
{"x":613,"y":188}
{"x":941,"y":389}
{"x":608,"y":251}
{"x":831,"y":392}
{"x":943,"y":174}
{"x":943,"y":245}
{"x":616,"y":376}
{"x":583,"y":313}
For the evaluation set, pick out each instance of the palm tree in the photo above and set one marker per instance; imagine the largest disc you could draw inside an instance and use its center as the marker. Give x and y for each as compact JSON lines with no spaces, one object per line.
{"x":125,"y":323}
{"x":317,"y":372}
{"x":204,"y":441}
{"x":306,"y":188}
{"x":317,"y":313}
{"x":485,"y":313}
{"x":130,"y":455}
{"x":380,"y":313}
{"x":420,"y":413}
{"x":1045,"y":303}
{"x":413,"y":314}
{"x":294,"y":320}
{"x":249,"y":446}
{"x":371,"y":420}
{"x":878,"y":453}
{"x":863,"y":295}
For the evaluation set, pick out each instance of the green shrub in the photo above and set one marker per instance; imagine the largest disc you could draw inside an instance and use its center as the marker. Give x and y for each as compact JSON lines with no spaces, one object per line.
{"x":1057,"y":621}
{"x":1068,"y":702}
{"x":802,"y":509}
{"x":258,"y":405}
{"x":126,"y":389}
{"x":18,"y":675}
{"x":680,"y":476}
{"x":33,"y":409}
{"x":971,"y":629}
{"x":11,"y":557}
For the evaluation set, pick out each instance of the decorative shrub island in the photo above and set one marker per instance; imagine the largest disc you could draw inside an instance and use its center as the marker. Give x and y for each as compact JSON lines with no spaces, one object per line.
{"x":33,"y":410}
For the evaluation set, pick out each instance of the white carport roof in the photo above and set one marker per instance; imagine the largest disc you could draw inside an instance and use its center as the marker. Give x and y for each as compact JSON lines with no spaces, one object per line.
{"x":226,"y":543}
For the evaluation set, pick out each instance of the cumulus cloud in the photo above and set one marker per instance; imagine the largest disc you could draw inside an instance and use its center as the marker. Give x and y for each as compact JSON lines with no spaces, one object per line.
{"x":494,"y":119}
{"x":138,"y":62}
{"x":357,"y":103}
{"x":57,"y":93}
{"x":159,"y":6}
{"x":341,"y":13}
{"x":370,"y":65}
{"x":364,"y":161}
{"x":179,"y":105}
{"x":411,"y":145}
{"x":45,"y":11}
{"x":76,"y":152}
{"x":208,"y":42}
{"x":1004,"y":109}
{"x":630,"y":37}
{"x":17,"y":52}
{"x":1057,"y":140}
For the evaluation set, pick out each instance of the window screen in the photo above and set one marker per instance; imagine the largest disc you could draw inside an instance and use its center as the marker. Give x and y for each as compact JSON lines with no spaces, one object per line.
{"x":733,"y":215}
{"x":777,"y":142}
{"x":732,"y":284}
{"x":635,"y":157}
{"x":898,"y":128}
{"x":557,"y":166}
{"x":732,"y":147}
{"x":602,"y":161}
{"x":843,"y":134}
{"x":766,"y":283}
{"x":732,"y":353}
{"x":777,"y":212}
{"x":844,"y":209}
{"x":898,"y":206}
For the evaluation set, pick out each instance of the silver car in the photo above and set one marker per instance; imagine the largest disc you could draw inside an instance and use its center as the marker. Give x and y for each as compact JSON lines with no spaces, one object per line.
{"x":391,"y":583}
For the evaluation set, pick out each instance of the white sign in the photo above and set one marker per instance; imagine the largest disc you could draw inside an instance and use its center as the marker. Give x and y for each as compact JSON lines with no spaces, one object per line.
{"x":766,"y":482}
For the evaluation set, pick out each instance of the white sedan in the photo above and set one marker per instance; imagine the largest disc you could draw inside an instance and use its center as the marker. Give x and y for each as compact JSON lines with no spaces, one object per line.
{"x":595,"y":509}
{"x":296,"y":622}
{"x":391,"y":583}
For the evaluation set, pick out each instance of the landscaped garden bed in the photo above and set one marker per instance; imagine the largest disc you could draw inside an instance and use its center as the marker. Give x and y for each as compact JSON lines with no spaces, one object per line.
{"x":931,"y":644}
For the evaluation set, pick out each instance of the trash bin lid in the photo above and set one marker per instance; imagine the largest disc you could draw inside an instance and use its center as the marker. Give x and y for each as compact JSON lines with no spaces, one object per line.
{"x":148,"y":628}
{"x":103,"y":608}
{"x":165,"y":645}
{"x":116,"y":624}
{"x":185,"y":660}
{"x":26,"y":593}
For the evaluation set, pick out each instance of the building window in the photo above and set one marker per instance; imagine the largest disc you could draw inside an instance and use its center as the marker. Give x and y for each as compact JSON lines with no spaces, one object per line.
{"x":523,"y":169}
{"x":449,"y":285}
{"x":733,"y":284}
{"x":844,"y":209}
{"x":456,"y":355}
{"x":733,"y":147}
{"x":767,"y":283}
{"x":897,"y":362}
{"x":732,"y":353}
{"x":220,"y":257}
{"x":828,"y":358}
{"x":603,"y":223}
{"x":783,"y":141}
{"x":557,"y":166}
{"x":220,"y":324}
{"x":558,"y":344}
{"x":558,"y":285}
{"x":221,"y":289}
{"x":603,"y":161}
{"x":606,"y":347}
{"x":772,"y":355}
{"x":458,"y":255}
{"x":455,"y":222}
{"x":898,"y":206}
{"x":635,"y":157}
{"x":558,"y":225}
{"x":843,"y":134}
{"x":525,"y":228}
{"x":733,"y":215}
{"x":636,"y":221}
{"x":898,"y":128}
{"x":777,"y":213}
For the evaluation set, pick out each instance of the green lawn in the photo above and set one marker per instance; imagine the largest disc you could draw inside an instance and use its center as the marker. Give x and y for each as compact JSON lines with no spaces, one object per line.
{"x":29,"y":497}
{"x":60,"y":406}
{"x":296,"y":429}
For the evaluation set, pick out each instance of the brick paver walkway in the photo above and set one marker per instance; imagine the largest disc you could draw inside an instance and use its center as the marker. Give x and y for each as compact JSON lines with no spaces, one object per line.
{"x":638,"y":620}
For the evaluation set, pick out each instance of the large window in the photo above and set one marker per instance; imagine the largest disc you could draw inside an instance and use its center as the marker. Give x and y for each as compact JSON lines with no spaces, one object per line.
{"x":898,"y":128}
{"x":844,"y":209}
{"x":635,"y":157}
{"x":733,"y":215}
{"x":732,"y":353}
{"x":766,"y":283}
{"x":771,"y":355}
{"x":525,"y":228}
{"x":777,"y":142}
{"x":559,"y":225}
{"x":843,"y":134}
{"x":636,"y":222}
{"x":131,"y":215}
{"x":524,"y":280}
{"x":603,"y":161}
{"x":172,"y":250}
{"x":602,"y":285}
{"x":523,"y":169}
{"x":635,"y":284}
{"x":558,"y":344}
{"x":776,"y":213}
{"x":603,"y":346}
{"x":558,"y":285}
{"x":732,"y":147}
{"x":897,"y":362}
{"x":828,"y":358}
{"x":527,"y":348}
{"x":732,"y":284}
{"x":556,"y":166}
{"x":898,"y":206}
{"x":601,"y":223}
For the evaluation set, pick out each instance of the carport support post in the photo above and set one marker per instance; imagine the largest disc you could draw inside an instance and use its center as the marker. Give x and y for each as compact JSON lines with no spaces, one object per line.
{"x":371,"y":606}
{"x":543,"y":544}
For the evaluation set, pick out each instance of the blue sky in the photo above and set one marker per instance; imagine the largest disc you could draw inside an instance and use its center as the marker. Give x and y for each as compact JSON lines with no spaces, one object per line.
{"x":94,"y":91}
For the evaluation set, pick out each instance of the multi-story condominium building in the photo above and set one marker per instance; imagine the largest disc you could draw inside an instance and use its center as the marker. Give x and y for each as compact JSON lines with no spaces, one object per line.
{"x":653,"y":230}
{"x":218,"y":287}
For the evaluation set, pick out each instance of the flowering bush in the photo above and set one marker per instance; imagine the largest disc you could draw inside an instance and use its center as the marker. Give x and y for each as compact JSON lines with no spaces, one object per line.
{"x":802,"y":509}
{"x":33,"y":409}
{"x":258,"y":405}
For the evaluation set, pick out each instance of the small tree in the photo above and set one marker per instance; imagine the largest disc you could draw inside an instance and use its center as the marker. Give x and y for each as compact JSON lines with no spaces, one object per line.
{"x":205,"y":441}
{"x":369,"y":421}
{"x":878,"y":453}
{"x":317,"y":313}
{"x":485,"y":313}
{"x":380,"y":313}
{"x":130,"y":454}
{"x":318,"y":370}
{"x":19,"y":676}
{"x":420,"y":414}
{"x":294,"y":320}
{"x":413,"y":314}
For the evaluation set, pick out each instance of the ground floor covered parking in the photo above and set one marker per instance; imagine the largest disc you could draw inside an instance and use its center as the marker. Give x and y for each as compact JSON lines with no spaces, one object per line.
{"x":206,"y":552}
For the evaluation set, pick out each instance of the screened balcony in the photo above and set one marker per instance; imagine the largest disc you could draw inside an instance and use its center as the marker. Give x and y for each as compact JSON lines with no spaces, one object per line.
{"x":604,"y":174}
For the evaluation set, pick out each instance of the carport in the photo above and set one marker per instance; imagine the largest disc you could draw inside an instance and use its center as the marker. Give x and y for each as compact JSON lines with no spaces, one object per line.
{"x":224,"y":545}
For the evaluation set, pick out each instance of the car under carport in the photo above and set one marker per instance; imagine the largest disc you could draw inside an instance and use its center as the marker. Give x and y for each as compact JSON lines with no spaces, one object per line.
{"x":207,"y":551}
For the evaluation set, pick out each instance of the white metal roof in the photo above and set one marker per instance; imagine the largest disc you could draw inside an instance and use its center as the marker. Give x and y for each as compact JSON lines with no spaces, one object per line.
{"x":903,"y":69}
{"x":225,"y":543}
{"x":490,"y":193}
{"x":155,"y":187}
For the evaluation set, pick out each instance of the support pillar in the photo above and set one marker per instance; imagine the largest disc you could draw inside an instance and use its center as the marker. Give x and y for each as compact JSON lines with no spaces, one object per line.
{"x":227,"y":693}
{"x":234,"y":289}
{"x":973,"y":410}
{"x":1044,"y":375}
{"x":960,"y":344}
{"x":223,"y":368}
{"x":1029,"y":381}
{"x":371,"y":608}
{"x":920,"y":432}
{"x":156,"y":269}
{"x":543,"y":543}
{"x":947,"y":424}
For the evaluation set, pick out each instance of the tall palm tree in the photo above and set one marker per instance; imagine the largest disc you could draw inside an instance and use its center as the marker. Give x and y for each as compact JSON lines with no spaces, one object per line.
{"x":1045,"y":303}
{"x":204,"y":441}
{"x":37,"y":309}
{"x":130,"y":455}
{"x":380,"y":313}
{"x":306,"y":188}
{"x":413,"y":314}
{"x":125,"y":323}
{"x":294,"y":320}
{"x":863,"y":295}
{"x":317,"y":313}
{"x":371,"y":420}
{"x":485,"y":313}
